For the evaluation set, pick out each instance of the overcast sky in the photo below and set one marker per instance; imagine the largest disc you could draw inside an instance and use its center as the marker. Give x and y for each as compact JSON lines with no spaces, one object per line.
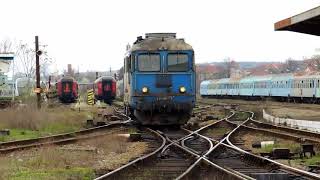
{"x":93,"y":34}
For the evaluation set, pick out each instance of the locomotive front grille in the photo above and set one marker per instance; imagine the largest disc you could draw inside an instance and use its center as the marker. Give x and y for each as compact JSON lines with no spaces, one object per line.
{"x":163,"y":81}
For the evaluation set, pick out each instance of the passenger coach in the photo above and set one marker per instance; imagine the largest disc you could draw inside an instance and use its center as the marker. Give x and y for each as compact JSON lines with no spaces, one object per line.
{"x":67,"y":89}
{"x":105,"y":89}
{"x":285,"y":87}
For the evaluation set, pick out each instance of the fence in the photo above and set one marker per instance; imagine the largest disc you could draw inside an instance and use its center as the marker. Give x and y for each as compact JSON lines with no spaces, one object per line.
{"x":295,"y":123}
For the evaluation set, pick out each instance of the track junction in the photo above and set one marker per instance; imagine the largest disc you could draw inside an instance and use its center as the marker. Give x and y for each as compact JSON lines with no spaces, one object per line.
{"x":213,"y":151}
{"x":202,"y":154}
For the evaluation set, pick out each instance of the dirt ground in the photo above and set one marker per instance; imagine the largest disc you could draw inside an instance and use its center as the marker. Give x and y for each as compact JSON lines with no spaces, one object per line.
{"x":251,"y":138}
{"x":75,"y":161}
{"x":279,"y":109}
{"x":296,"y":113}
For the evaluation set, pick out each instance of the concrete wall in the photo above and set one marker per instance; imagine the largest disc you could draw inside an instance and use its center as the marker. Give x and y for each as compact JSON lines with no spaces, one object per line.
{"x":301,"y":124}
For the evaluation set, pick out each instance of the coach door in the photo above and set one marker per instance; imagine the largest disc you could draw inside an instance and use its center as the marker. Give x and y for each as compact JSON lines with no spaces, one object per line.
{"x":107,"y":88}
{"x":66,"y":88}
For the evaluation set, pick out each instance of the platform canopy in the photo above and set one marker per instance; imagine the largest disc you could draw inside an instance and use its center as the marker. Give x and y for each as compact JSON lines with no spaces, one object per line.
{"x":307,"y":22}
{"x":5,"y":61}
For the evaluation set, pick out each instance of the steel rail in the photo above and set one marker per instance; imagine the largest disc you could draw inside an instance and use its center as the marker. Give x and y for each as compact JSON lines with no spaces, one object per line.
{"x":6,"y":147}
{"x":200,"y":129}
{"x":205,"y":156}
{"x":291,"y":169}
{"x":200,"y":157}
{"x":309,"y":134}
{"x":59,"y":138}
{"x":138,"y":159}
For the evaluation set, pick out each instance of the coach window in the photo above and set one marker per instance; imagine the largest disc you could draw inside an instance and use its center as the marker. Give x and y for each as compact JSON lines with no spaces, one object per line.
{"x":178,"y":62}
{"x":149,"y":62}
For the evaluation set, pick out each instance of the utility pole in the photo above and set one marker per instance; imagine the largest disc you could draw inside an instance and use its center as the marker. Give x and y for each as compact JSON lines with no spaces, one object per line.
{"x":38,"y":53}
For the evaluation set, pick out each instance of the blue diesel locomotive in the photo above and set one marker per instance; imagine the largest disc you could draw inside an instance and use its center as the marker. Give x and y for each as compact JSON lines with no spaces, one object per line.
{"x":159,"y":80}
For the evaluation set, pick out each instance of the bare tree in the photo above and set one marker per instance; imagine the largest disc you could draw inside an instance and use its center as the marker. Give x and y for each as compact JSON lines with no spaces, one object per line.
{"x":316,"y":62}
{"x":6,"y":46}
{"x":227,"y":65}
{"x":25,"y":60}
{"x":290,"y":66}
{"x":120,"y":73}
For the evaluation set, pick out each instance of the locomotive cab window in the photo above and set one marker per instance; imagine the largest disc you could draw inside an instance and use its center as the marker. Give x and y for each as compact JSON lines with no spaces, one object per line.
{"x":149,"y":62}
{"x":178,"y":62}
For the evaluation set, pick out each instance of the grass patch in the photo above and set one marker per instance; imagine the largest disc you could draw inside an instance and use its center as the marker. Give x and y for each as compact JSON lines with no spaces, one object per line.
{"x":220,"y":131}
{"x":314,"y":160}
{"x":17,"y":134}
{"x":73,"y":161}
{"x":73,"y":173}
{"x":294,"y":147}
{"x":29,"y":122}
{"x":241,"y":116}
{"x":250,"y":138}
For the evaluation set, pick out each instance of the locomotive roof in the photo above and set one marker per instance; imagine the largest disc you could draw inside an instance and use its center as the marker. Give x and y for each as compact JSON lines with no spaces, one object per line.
{"x":67,"y":78}
{"x":160,"y":41}
{"x":103,"y":78}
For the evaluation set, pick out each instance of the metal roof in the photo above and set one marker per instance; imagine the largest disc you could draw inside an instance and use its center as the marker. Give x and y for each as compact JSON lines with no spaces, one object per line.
{"x":67,"y":79}
{"x":6,"y":56}
{"x":104,"y":78}
{"x":307,"y":22}
{"x":160,"y":41}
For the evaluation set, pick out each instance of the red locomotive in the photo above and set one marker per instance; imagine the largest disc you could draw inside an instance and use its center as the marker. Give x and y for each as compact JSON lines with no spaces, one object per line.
{"x":67,"y":89}
{"x":105,"y":89}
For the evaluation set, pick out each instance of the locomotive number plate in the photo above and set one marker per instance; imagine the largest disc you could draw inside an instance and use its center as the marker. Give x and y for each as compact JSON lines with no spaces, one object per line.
{"x":165,"y":98}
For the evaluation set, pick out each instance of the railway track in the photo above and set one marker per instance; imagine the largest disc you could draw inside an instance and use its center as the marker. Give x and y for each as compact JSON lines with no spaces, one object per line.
{"x":250,"y":165}
{"x":59,"y":139}
{"x":202,"y":154}
{"x":65,"y":138}
{"x":277,"y":171}
{"x":287,"y":130}
{"x":231,"y":158}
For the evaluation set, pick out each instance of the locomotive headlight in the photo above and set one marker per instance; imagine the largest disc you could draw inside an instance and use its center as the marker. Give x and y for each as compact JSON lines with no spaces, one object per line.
{"x":145,"y":90}
{"x":182,"y":89}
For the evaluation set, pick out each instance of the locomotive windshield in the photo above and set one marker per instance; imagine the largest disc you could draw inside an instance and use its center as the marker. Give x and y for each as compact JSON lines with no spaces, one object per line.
{"x":149,"y":62}
{"x":177,"y":62}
